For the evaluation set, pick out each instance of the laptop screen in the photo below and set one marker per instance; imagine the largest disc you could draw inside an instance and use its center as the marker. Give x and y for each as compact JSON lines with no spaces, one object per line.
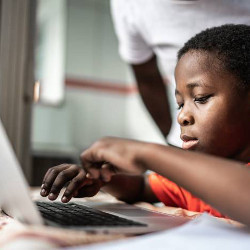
{"x":14,"y":190}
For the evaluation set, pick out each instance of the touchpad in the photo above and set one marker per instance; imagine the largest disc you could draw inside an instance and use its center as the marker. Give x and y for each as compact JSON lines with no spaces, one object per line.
{"x":135,"y":212}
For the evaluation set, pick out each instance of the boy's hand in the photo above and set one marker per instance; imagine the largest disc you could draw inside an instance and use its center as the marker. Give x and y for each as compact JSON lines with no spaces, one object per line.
{"x":79,"y":186}
{"x":109,"y":156}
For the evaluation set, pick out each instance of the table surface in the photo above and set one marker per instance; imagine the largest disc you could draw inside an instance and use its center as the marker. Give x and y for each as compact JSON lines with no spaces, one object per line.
{"x":13,"y":232}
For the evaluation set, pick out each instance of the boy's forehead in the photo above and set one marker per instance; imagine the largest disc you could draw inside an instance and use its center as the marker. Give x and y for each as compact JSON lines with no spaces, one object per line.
{"x":191,"y":68}
{"x":198,"y":60}
{"x":200,"y":69}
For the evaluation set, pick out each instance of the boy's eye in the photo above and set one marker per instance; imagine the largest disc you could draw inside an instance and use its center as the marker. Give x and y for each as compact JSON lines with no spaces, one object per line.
{"x":180,"y":106}
{"x":202,"y":99}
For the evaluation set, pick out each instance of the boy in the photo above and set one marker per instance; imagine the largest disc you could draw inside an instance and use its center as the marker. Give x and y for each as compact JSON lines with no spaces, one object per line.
{"x":212,"y":92}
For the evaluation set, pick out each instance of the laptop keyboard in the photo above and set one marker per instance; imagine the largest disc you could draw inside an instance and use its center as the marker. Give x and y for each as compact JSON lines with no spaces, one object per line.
{"x":73,"y":214}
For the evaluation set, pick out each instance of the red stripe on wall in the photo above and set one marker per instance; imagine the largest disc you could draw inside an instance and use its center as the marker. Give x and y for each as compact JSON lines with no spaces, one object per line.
{"x":100,"y":86}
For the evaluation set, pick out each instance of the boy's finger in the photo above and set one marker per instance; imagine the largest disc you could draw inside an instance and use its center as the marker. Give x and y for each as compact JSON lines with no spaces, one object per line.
{"x":62,"y":178}
{"x":93,"y":173}
{"x":76,"y":183}
{"x":50,"y":178}
{"x":106,"y":172}
{"x":45,"y":177}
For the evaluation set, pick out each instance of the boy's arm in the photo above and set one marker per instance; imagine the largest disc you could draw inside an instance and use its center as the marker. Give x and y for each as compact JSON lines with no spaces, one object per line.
{"x":222,"y":183}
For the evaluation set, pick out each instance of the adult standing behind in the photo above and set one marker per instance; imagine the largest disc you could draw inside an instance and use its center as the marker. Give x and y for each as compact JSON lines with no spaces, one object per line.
{"x":150,"y":32}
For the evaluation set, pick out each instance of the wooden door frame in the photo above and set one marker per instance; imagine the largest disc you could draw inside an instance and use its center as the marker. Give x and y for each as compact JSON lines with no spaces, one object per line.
{"x":17,"y":34}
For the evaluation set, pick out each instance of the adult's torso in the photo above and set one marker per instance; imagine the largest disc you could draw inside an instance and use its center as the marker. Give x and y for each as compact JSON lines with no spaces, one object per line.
{"x":167,"y":24}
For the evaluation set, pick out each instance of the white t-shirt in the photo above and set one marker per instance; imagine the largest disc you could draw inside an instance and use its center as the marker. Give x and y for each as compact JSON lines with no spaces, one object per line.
{"x":161,"y":27}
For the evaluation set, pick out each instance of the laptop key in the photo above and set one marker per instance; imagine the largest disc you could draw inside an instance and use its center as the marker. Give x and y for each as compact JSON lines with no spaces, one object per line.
{"x":73,"y":214}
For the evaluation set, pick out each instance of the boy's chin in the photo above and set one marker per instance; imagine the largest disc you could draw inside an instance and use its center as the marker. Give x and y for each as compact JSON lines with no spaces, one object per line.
{"x":199,"y":148}
{"x":190,"y":145}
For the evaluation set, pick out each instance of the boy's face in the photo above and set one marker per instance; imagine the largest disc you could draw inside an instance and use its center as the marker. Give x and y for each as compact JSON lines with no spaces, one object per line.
{"x":213,"y":116}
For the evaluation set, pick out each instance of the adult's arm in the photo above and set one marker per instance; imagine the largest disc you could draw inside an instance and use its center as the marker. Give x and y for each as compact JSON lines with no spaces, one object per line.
{"x":222,"y":183}
{"x":154,"y":93}
{"x":136,"y":51}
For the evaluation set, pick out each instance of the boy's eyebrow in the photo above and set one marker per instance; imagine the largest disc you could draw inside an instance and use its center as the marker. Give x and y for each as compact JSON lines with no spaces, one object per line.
{"x":193,"y":85}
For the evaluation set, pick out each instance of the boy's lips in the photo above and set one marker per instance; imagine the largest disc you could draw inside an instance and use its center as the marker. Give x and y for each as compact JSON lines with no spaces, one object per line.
{"x":189,"y":142}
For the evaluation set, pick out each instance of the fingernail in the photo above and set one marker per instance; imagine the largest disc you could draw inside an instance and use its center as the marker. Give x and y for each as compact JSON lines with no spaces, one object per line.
{"x":43,"y":191}
{"x":51,"y":195}
{"x":42,"y":186}
{"x":64,"y":199}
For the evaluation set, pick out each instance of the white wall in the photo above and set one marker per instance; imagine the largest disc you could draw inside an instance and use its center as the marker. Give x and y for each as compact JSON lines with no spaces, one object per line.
{"x":91,"y":43}
{"x":88,"y":114}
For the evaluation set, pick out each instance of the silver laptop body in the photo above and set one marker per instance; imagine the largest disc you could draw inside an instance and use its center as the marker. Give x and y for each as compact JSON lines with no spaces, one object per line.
{"x":16,"y":202}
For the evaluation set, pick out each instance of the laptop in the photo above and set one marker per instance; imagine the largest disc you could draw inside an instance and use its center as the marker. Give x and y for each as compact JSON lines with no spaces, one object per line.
{"x":97,"y":217}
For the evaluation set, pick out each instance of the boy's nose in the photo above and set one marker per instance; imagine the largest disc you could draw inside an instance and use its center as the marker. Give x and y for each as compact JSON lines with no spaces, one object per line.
{"x":185,"y":118}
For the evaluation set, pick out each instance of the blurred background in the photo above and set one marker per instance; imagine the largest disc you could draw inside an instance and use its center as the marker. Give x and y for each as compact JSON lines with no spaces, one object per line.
{"x":63,"y":84}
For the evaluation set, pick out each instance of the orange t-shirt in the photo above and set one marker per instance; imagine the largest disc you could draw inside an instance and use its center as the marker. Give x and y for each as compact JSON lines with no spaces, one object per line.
{"x":173,"y":195}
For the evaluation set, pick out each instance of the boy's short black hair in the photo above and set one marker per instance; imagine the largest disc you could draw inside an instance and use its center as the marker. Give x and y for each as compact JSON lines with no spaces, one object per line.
{"x":231,"y":44}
